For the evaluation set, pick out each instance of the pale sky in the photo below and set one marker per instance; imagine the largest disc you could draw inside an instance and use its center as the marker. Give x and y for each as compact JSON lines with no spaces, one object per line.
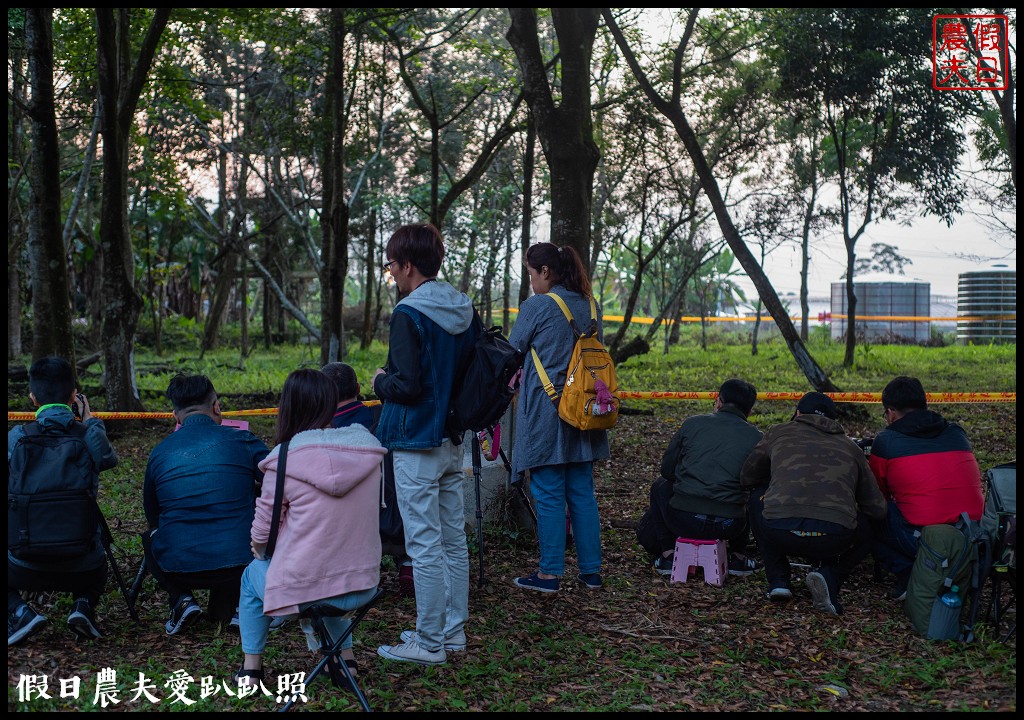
{"x":939,"y":255}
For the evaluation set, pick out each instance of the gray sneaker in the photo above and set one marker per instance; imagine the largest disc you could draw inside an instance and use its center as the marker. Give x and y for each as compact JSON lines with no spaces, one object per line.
{"x":820,"y":597}
{"x":780,"y":594}
{"x":452,"y":643}
{"x":412,"y":652}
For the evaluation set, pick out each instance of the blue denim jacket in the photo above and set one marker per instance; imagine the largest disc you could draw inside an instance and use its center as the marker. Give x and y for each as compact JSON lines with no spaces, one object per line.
{"x":199,"y":491}
{"x":417,"y":421}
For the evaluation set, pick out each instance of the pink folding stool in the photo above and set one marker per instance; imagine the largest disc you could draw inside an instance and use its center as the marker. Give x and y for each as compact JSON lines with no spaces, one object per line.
{"x":708,"y":554}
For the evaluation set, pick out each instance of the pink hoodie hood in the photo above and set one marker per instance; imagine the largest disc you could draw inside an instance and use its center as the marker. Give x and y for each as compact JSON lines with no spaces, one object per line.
{"x":333,"y":460}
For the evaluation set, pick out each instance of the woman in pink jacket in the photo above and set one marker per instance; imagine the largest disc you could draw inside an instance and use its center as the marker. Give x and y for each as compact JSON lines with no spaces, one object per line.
{"x":328,"y":542}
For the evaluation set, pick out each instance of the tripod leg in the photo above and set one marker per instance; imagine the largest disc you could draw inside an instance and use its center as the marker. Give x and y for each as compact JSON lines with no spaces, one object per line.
{"x":477,"y":472}
{"x":128,"y":598}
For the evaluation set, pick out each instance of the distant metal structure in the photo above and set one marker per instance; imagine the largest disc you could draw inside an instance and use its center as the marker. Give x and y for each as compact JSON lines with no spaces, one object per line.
{"x":987,"y":306}
{"x":888,"y":311}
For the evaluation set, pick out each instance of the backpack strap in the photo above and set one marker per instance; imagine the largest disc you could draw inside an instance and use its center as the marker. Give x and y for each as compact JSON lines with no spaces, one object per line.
{"x":545,"y":381}
{"x":275,"y":519}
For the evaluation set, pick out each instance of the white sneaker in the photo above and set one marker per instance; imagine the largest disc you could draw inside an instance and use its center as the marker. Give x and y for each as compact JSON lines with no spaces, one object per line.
{"x":452,"y":643}
{"x":412,"y":652}
{"x":312,"y":641}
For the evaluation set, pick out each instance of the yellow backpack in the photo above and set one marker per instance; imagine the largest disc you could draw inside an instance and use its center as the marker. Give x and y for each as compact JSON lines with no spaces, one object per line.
{"x":589,"y":400}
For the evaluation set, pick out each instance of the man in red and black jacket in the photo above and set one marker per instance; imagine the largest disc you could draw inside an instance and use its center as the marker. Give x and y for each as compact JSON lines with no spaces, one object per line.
{"x":925,"y":469}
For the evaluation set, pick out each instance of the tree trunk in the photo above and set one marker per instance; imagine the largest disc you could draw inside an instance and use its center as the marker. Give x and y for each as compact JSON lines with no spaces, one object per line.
{"x":219,"y":301}
{"x":243,"y":293}
{"x":335,"y":211}
{"x":119,"y":87}
{"x":266,"y":315}
{"x":805,"y":245}
{"x":566,"y":131}
{"x":51,"y":307}
{"x":673,"y":111}
{"x":851,"y":309}
{"x":372,"y":286}
{"x":757,"y":328}
{"x":529,"y":154}
{"x":15,"y":217}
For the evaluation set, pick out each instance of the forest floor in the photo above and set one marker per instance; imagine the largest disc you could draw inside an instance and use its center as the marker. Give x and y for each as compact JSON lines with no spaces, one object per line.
{"x":639,"y":644}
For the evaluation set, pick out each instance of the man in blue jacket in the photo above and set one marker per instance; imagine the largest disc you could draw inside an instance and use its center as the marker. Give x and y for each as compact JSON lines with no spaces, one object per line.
{"x":199,"y":496}
{"x":429,"y":336}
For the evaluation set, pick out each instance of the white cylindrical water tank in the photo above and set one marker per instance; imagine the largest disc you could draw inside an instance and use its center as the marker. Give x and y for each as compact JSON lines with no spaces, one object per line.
{"x":986,"y":306}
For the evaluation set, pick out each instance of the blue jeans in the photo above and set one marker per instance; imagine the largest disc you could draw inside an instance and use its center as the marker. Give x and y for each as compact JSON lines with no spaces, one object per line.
{"x":430,"y":496}
{"x":896,"y":544}
{"x":553,"y":487}
{"x":254,"y":626}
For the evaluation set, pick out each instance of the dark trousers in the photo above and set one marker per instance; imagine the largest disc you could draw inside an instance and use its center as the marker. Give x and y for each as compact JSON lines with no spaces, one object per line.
{"x":224,"y":584}
{"x":662,"y":524}
{"x":896,"y":544}
{"x":838,"y":551}
{"x":87,"y":584}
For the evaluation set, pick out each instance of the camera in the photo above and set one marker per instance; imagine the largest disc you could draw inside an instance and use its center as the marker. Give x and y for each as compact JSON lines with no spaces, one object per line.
{"x":78,"y":406}
{"x":864,"y":444}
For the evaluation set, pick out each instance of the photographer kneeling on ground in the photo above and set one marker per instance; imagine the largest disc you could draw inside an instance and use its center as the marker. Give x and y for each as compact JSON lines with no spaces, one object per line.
{"x":54,"y":540}
{"x":812,"y":495}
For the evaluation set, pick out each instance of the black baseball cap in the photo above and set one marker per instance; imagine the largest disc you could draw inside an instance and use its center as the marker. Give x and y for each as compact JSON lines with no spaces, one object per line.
{"x":817,"y":403}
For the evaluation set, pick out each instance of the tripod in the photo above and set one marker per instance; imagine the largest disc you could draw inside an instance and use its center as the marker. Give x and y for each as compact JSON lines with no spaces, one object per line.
{"x":477,"y":475}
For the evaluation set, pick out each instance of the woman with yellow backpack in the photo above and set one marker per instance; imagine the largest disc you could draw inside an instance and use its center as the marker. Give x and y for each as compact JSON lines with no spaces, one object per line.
{"x":549,"y":441}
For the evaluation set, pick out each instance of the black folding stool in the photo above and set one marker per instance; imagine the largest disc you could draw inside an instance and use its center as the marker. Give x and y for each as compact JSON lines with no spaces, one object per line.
{"x":330,"y":648}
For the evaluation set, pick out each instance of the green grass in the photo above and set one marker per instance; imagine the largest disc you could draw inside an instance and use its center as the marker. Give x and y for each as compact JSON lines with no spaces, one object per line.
{"x":642,"y":643}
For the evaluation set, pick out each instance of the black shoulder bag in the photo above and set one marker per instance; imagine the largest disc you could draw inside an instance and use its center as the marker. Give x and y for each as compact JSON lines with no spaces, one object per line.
{"x":275,"y":520}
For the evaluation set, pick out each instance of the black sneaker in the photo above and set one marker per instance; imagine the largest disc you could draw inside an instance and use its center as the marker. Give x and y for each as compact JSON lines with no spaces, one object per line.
{"x":663,"y":565}
{"x":741,"y":565}
{"x":23,"y":622}
{"x":82,"y":621}
{"x":186,"y":612}
{"x":898,"y":591}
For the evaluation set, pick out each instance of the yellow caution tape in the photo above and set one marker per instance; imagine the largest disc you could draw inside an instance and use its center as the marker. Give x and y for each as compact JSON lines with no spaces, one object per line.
{"x":848,"y":397}
{"x":824,"y":317}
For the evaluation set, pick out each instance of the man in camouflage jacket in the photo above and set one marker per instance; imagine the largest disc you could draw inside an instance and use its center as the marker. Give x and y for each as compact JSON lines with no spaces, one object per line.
{"x":813,"y":496}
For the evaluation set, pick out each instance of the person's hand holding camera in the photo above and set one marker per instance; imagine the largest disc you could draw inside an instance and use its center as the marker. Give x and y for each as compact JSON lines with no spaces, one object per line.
{"x":81,"y":407}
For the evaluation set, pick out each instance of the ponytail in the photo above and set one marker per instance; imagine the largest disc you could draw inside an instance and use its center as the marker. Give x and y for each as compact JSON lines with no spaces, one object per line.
{"x":564,"y":262}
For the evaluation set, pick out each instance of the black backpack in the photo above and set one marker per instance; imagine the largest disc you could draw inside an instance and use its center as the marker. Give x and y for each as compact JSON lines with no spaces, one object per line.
{"x":51,"y":494}
{"x":483,"y":387}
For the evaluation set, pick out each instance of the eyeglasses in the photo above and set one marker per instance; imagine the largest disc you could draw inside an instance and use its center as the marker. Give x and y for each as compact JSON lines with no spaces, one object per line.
{"x":386,"y":267}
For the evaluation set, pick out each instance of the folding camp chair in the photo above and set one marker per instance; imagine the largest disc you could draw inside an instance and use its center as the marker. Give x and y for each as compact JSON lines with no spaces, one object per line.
{"x":1000,"y":523}
{"x":330,"y":648}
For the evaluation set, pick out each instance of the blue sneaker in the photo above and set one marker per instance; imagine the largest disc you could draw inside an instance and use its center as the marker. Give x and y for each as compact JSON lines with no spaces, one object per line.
{"x":591,"y":580}
{"x":532,"y":582}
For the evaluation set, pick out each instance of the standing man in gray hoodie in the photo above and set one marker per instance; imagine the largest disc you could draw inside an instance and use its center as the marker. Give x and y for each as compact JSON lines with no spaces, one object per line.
{"x":430,"y":334}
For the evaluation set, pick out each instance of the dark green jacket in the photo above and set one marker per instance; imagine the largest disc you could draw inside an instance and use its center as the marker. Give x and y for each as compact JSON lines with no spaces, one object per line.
{"x":703,"y":462}
{"x":813,"y":470}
